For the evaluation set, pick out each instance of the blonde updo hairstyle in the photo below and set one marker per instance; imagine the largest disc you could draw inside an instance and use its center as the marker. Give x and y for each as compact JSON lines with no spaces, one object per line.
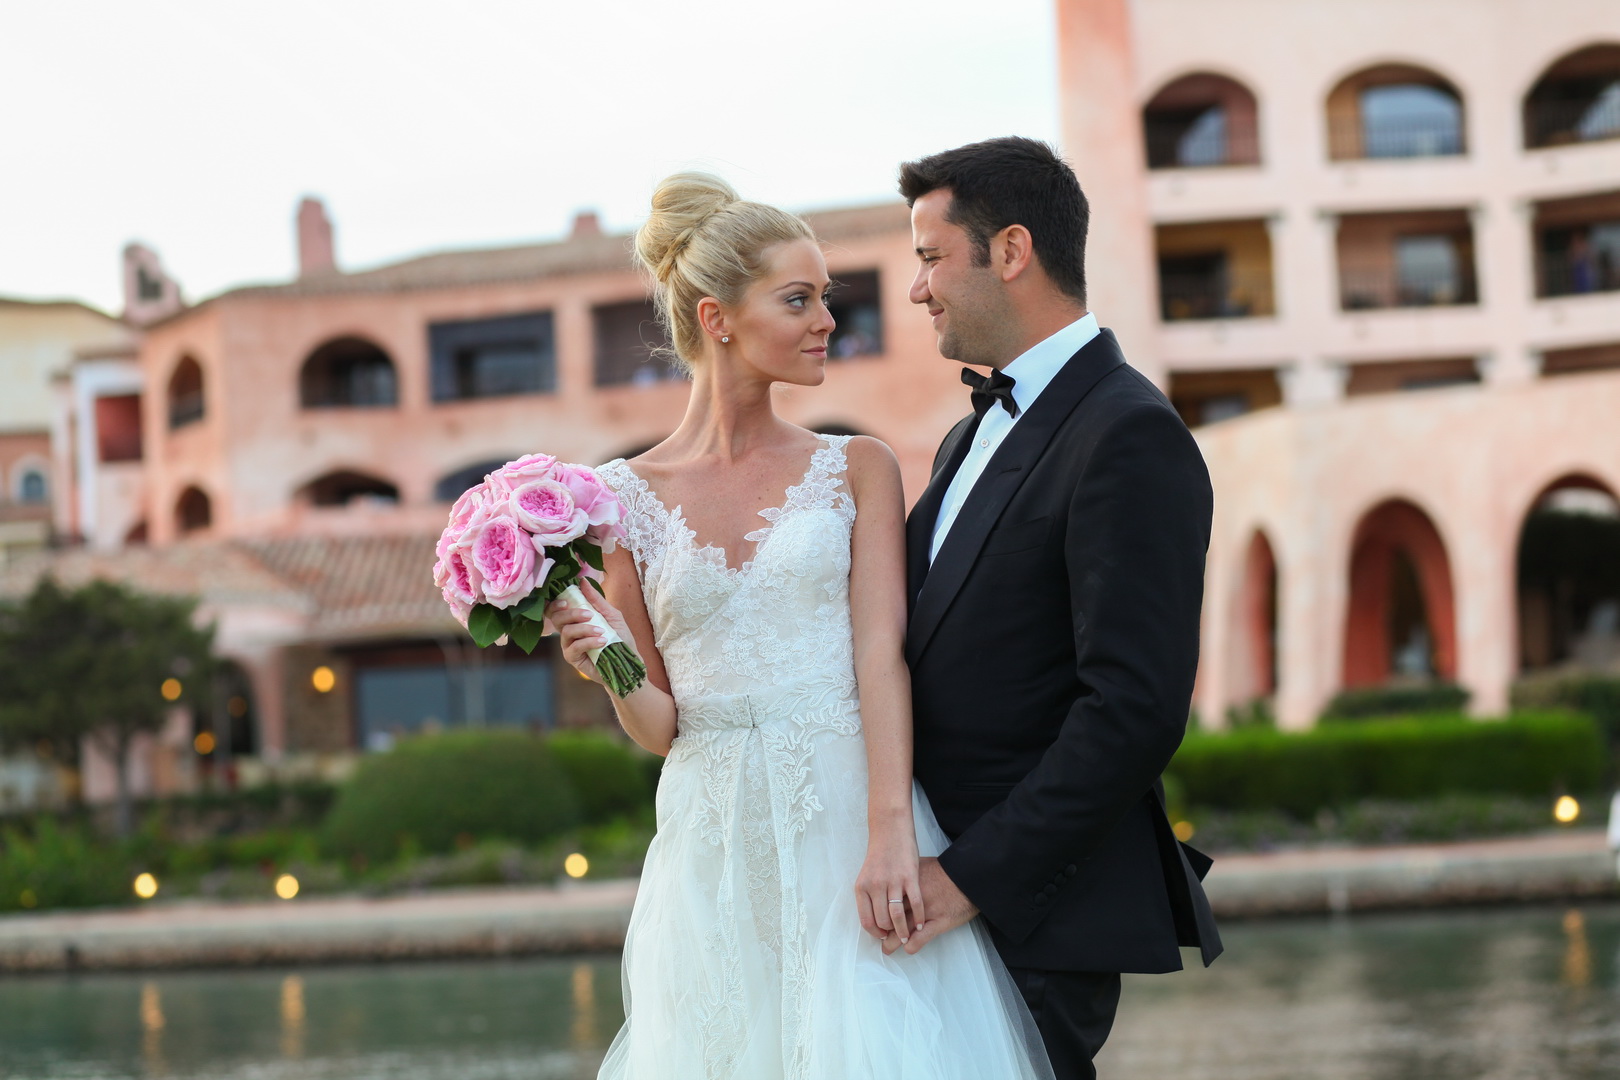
{"x":703,"y":240}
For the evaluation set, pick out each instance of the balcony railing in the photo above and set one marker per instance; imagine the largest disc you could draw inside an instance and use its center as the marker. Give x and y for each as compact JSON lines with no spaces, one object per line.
{"x":1172,"y":145}
{"x":1563,"y":276}
{"x":185,"y":409}
{"x":1560,"y":123}
{"x":1353,"y":137}
{"x":1184,"y":297}
{"x":1362,"y":290}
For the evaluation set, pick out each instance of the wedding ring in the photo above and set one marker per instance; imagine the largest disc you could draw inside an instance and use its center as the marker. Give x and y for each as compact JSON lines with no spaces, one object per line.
{"x":896,"y":901}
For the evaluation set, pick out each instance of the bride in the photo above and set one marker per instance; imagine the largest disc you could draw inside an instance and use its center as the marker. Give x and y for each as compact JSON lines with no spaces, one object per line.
{"x":763,"y":583}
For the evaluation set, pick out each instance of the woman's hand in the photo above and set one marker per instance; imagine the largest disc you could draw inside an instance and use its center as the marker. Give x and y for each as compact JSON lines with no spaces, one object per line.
{"x":887,"y":894}
{"x":579,"y":635}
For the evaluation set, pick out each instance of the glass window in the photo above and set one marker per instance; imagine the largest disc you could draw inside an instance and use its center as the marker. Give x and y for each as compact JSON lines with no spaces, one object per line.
{"x":1428,"y":269}
{"x":33,"y":488}
{"x":397,"y":701}
{"x":856,"y":308}
{"x":627,"y":337}
{"x":1410,"y":120}
{"x":514,"y":354}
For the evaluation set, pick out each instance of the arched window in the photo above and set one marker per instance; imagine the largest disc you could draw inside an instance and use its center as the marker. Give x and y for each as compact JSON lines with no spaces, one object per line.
{"x":193,"y":511}
{"x":1577,"y":99}
{"x":1201,"y":120}
{"x":185,"y":393}
{"x":1394,"y":111}
{"x":32,"y":488}
{"x":450,"y":486}
{"x":347,"y":372}
{"x":343,"y":487}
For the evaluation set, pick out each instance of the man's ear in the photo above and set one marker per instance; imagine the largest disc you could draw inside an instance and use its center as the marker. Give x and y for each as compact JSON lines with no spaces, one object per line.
{"x":1012,"y":251}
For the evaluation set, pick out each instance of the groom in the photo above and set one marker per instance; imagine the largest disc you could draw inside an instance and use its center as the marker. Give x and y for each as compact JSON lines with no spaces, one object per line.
{"x":1056,"y":566}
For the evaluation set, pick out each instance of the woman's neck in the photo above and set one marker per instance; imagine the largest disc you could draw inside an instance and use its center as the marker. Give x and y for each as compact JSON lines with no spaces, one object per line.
{"x":727,"y":415}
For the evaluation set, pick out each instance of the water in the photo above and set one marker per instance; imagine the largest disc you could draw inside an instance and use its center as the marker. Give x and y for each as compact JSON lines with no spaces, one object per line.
{"x":1522,"y":994}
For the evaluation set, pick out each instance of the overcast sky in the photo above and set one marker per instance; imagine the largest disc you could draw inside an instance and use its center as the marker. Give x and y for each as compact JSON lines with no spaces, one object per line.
{"x":196,"y":125}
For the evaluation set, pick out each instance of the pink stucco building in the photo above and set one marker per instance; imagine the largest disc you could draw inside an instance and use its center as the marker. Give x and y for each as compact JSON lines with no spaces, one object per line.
{"x":1371,"y":251}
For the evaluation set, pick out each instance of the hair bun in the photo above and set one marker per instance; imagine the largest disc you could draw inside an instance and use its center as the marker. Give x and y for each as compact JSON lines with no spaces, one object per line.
{"x":680,"y":206}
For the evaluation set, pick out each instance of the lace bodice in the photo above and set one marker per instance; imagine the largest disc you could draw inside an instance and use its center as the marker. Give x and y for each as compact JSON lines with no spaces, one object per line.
{"x":777,"y":628}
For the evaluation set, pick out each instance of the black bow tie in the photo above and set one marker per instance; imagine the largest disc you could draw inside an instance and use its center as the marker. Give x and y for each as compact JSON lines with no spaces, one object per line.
{"x":989,"y":389}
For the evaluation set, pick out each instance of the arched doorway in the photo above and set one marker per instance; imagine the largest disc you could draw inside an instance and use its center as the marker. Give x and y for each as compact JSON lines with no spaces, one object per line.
{"x":1577,"y":99}
{"x":1394,"y":111}
{"x":1402,"y":621}
{"x":1568,"y":577}
{"x":1254,"y":630}
{"x":193,"y":511}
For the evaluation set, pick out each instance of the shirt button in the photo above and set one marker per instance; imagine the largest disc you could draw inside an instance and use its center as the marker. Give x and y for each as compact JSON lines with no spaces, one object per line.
{"x":983,"y":443}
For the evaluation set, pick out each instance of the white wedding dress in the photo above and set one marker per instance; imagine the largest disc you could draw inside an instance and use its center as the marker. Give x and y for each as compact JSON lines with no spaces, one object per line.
{"x":745,"y":959}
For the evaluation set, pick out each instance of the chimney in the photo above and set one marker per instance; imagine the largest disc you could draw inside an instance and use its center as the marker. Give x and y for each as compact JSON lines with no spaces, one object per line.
{"x":149,"y":293}
{"x":315,"y":252}
{"x":586,"y":225}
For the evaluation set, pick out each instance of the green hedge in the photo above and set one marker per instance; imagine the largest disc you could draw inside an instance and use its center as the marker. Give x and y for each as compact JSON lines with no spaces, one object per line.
{"x":1598,"y":696}
{"x":1300,"y":773}
{"x":1388,"y":701}
{"x":438,"y":792}
{"x":56,"y":867}
{"x":605,"y":772}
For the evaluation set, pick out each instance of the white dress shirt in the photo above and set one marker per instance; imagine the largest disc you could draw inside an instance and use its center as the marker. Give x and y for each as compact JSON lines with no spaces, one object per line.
{"x":1031,"y":372}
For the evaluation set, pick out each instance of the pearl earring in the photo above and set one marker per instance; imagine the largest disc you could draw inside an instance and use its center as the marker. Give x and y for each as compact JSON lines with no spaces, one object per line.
{"x":726,"y":340}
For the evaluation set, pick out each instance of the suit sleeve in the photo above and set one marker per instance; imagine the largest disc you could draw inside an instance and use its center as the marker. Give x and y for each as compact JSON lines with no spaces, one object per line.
{"x":1134,"y":548}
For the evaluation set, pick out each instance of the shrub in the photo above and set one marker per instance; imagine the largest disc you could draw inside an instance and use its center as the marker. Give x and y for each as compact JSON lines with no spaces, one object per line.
{"x":1299,"y":773}
{"x":56,"y":867}
{"x":1384,"y":701}
{"x":434,"y":793}
{"x":1598,"y":696}
{"x":607,"y":778}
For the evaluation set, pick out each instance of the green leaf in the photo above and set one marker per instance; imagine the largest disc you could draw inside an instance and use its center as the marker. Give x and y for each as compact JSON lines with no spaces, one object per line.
{"x":591,"y":554}
{"x":487,"y":623}
{"x":526,"y":634}
{"x":534,"y":607}
{"x":593,"y":583}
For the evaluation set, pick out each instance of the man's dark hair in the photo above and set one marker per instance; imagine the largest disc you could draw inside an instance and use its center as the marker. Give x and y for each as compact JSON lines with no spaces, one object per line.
{"x":1011,"y":181}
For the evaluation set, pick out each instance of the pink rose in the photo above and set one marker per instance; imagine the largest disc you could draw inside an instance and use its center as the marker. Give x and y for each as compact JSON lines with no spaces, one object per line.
{"x":547,"y":510}
{"x":503,"y":557}
{"x":455,"y":575}
{"x":514,"y":474}
{"x":458,"y":607}
{"x":599,"y":502}
{"x":474,"y":506}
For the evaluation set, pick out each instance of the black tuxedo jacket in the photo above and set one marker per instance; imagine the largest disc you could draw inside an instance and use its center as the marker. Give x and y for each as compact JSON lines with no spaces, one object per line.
{"x":1052,"y":648}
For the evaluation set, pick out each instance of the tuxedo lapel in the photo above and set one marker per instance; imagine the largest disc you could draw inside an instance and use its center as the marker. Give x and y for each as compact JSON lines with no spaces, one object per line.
{"x":1003,"y":475}
{"x":924,"y":515}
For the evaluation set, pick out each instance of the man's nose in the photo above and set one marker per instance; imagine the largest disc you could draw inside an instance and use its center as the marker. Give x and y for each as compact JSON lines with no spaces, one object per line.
{"x":919,"y":286}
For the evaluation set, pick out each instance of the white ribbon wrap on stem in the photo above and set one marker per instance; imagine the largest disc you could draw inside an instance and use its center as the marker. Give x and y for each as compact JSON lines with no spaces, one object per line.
{"x":575,"y":597}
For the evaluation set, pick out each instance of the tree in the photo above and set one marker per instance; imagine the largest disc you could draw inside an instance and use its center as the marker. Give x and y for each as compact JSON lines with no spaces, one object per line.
{"x":102,"y":662}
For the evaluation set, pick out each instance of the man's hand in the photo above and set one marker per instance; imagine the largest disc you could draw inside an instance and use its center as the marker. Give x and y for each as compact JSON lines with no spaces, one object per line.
{"x":947,"y":907}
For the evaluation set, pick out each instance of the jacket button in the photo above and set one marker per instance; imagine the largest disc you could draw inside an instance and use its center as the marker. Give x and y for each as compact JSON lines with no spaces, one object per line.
{"x":1040,"y":899}
{"x":1071,"y":870}
{"x":1051,"y":890}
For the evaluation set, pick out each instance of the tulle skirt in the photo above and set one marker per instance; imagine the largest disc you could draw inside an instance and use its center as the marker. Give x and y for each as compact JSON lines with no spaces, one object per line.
{"x":745,"y":958}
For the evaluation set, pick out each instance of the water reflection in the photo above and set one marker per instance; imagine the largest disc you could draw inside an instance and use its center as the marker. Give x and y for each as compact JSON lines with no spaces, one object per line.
{"x":1509,"y":995}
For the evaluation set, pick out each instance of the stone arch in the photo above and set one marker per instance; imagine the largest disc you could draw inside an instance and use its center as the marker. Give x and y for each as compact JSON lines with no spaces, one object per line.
{"x":1395,"y":110}
{"x":340,"y":487}
{"x":1201,"y":119}
{"x":193,"y":511}
{"x":187,"y":403}
{"x":348,"y":372}
{"x":1253,"y":632}
{"x":1402,"y":616}
{"x":1576,"y":98}
{"x":1567,"y":575}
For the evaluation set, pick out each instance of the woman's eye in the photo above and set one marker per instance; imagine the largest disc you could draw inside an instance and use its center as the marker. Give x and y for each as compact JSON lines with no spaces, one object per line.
{"x":797,"y":300}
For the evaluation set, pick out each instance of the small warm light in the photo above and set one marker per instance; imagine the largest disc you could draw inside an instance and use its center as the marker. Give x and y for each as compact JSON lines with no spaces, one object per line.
{"x":1566,"y":810}
{"x":237,"y":706}
{"x":323,"y":679}
{"x":286,"y":886}
{"x":575,"y":865}
{"x":171,"y":689}
{"x":146,"y":886}
{"x":1184,"y":830}
{"x":28,"y":899}
{"x":204,"y":742}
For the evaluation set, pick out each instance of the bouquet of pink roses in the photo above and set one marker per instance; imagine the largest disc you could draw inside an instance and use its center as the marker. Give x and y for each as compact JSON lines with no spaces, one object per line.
{"x":530,"y":533}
